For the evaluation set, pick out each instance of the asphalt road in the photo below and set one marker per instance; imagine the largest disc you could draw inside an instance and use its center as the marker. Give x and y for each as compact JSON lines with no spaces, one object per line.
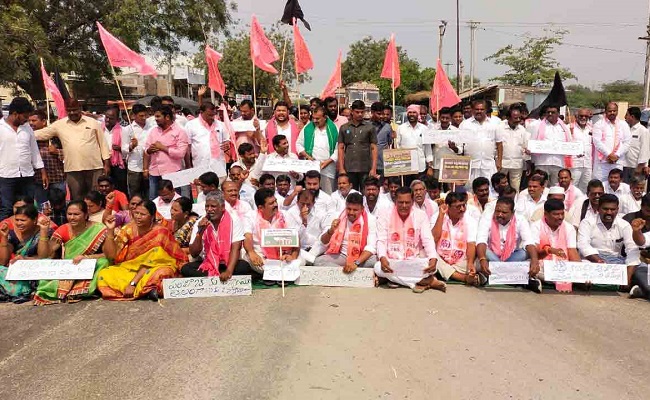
{"x":331,"y":343}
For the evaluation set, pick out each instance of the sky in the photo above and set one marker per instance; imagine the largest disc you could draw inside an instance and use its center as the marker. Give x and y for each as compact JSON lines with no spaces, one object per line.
{"x":594,"y":26}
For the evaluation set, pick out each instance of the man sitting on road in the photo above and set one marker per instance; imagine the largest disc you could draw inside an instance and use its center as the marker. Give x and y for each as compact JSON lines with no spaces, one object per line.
{"x":588,"y":208}
{"x":423,"y":203}
{"x":641,"y":233}
{"x":344,"y":189}
{"x":373,"y":201}
{"x":311,"y":222}
{"x":404,"y":233}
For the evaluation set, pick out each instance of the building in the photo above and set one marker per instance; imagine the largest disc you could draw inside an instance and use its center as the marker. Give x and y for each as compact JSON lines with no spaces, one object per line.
{"x":364,"y":91}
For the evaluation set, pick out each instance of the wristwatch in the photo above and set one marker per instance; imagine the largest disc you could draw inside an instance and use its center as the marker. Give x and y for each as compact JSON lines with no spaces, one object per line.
{"x":357,"y":263}
{"x":132,"y":284}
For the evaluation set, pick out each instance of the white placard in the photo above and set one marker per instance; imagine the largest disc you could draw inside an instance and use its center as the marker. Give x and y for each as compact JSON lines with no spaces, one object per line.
{"x":509,"y":273}
{"x":433,"y":136}
{"x":581,"y":272}
{"x":556,"y":147}
{"x":273,"y":272}
{"x":33,"y":270}
{"x":334,"y":276}
{"x":183,"y":288}
{"x":187,"y":176}
{"x":246,"y":126}
{"x":277,"y":164}
{"x":409,"y":268}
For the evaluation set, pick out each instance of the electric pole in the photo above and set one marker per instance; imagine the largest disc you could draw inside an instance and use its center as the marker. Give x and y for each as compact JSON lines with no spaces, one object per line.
{"x":473,"y":25}
{"x":447,"y":65}
{"x":646,"y":75}
{"x":442,"y":28}
{"x":462,"y":76}
{"x":457,"y":45}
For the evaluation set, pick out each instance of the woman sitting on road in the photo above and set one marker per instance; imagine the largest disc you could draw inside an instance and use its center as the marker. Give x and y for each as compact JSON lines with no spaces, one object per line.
{"x":19,"y":243}
{"x":22,"y":201}
{"x":144,"y":253}
{"x":123,"y":217}
{"x":183,"y":220}
{"x":79,"y":239}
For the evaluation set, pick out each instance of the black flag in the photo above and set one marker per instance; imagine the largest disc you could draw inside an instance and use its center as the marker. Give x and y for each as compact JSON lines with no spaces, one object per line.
{"x":58,"y":80}
{"x":292,"y":10}
{"x":557,"y":97}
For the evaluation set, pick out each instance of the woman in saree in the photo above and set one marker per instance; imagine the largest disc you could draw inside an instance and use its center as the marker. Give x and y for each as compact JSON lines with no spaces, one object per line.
{"x":19,"y":243}
{"x":96,"y":203}
{"x":78,"y":239}
{"x":183,"y":220}
{"x":144,"y":253}
{"x":21,"y":201}
{"x":123,"y":217}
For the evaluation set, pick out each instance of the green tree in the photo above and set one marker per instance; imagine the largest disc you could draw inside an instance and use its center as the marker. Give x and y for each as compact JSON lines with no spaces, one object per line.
{"x":365,"y":60}
{"x":582,"y":96}
{"x":64,"y":33}
{"x":532,"y":63}
{"x":236,"y":66}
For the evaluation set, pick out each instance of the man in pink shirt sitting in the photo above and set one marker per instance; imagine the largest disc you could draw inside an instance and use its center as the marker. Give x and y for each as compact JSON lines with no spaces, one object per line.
{"x":165,"y":147}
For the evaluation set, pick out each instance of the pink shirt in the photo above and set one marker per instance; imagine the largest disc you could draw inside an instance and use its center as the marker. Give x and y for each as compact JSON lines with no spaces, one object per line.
{"x":175,"y":139}
{"x":423,"y":235}
{"x":340,"y":121}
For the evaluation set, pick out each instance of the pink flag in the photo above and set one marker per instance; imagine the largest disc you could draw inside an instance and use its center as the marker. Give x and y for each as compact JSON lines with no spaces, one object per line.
{"x":443,"y":94}
{"x":335,"y":81}
{"x":215,"y":81}
{"x":263,"y":53}
{"x":391,"y":64}
{"x":50,"y":86}
{"x":303,"y":58}
{"x":119,"y":55}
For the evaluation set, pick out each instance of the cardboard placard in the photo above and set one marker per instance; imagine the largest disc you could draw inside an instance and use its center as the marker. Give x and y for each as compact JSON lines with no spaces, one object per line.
{"x":183,"y":288}
{"x":33,"y":270}
{"x":455,"y":169}
{"x":400,"y":162}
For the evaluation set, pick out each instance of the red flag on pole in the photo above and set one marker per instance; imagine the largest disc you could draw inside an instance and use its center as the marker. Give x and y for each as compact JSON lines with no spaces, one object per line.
{"x":443,"y":93}
{"x":334,"y":82}
{"x":391,"y":64}
{"x":215,"y":81}
{"x":51,"y":88}
{"x":263,"y":53}
{"x":304,"y":61}
{"x":119,"y":55}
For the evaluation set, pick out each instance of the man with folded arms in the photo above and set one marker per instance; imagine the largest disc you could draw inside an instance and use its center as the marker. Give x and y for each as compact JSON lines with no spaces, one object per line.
{"x":505,"y":238}
{"x":351,"y":239}
{"x":404,"y":233}
{"x":601,"y":240}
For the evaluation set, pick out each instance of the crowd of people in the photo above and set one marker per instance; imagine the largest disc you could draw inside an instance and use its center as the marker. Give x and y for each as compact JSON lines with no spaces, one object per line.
{"x":92,"y":187}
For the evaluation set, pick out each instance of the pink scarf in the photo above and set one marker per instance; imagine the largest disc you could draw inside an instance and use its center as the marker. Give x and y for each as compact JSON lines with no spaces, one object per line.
{"x":357,"y":237}
{"x":452,"y":248}
{"x":215,"y":149}
{"x":271,"y":253}
{"x":272,"y":131}
{"x":617,"y":141}
{"x":428,"y":207}
{"x":216,"y":244}
{"x":238,"y":209}
{"x":511,"y":239}
{"x":568,"y":160}
{"x":546,"y":239}
{"x":231,"y":132}
{"x":402,"y":240}
{"x":116,"y":156}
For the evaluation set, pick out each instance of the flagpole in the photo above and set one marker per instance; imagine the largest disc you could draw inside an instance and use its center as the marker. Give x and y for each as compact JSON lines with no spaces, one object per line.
{"x":119,"y":90}
{"x":47,"y":97}
{"x":284,"y":51}
{"x":254,"y":91}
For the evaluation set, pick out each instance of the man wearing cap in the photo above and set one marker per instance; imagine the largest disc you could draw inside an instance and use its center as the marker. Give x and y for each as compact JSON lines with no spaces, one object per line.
{"x":409,"y":136}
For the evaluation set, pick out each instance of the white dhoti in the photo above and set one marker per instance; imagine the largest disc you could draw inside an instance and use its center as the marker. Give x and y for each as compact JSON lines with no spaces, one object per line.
{"x":602,"y":168}
{"x":400,"y":279}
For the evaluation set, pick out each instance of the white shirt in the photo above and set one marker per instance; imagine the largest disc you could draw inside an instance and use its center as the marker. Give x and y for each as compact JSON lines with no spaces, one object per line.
{"x":522,"y":231}
{"x":198,"y":137}
{"x":280,"y":199}
{"x":252,"y":227}
{"x":371,"y":240}
{"x":639,"y":151}
{"x":595,"y":239}
{"x":242,"y":210}
{"x":623,"y":188}
{"x":135,"y":157}
{"x":247,"y":194}
{"x":20,"y":154}
{"x":318,"y":221}
{"x":409,"y":137}
{"x":181,"y":120}
{"x":573,"y":217}
{"x":339,"y":200}
{"x":321,"y":150}
{"x":526,"y":205}
{"x":325,"y":202}
{"x":274,"y":156}
{"x":442,"y":150}
{"x":165,"y":209}
{"x":571,"y":235}
{"x":552,"y":133}
{"x":628,"y":204}
{"x":603,"y":137}
{"x":108,"y":135}
{"x":583,"y":135}
{"x":515,"y":141}
{"x":423,"y":208}
{"x":382,"y":205}
{"x":255,"y":171}
{"x":237,"y":231}
{"x":483,"y":149}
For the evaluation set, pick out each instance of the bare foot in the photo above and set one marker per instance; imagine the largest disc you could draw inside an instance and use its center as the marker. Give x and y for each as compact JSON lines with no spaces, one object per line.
{"x":438,"y":285}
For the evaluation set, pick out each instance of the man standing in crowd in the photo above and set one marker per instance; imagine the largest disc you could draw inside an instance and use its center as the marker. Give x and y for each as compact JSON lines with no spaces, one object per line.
{"x":113,"y":134}
{"x":450,"y":148}
{"x":514,"y":138}
{"x":457,"y":117}
{"x":486,"y":146}
{"x":254,"y":136}
{"x":357,"y":147}
{"x":318,"y":141}
{"x":636,"y":159}
{"x":134,"y":138}
{"x":409,"y":136}
{"x":332,"y":107}
{"x":384,"y":133}
{"x":281,"y":124}
{"x":85,"y":152}
{"x":52,"y":157}
{"x":208,"y":141}
{"x":165,"y":147}
{"x":581,"y":169}
{"x":611,"y":140}
{"x":20,"y":159}
{"x":551,"y":129}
